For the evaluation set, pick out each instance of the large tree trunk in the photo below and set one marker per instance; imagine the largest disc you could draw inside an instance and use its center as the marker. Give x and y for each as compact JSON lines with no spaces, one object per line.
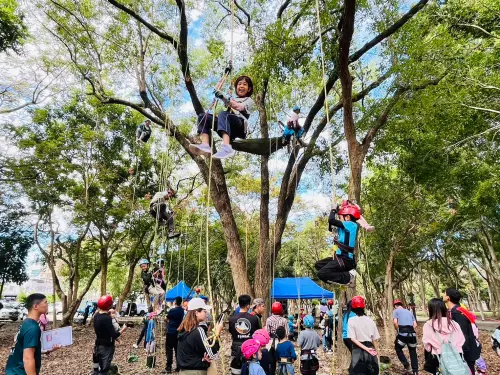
{"x":421,"y":284}
{"x":104,"y":271}
{"x":262,"y":283}
{"x":68,"y":315}
{"x":389,"y":331}
{"x":128,"y":285}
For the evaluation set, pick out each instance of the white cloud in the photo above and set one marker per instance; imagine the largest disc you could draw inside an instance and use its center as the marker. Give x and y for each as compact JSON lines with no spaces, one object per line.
{"x":187,"y":107}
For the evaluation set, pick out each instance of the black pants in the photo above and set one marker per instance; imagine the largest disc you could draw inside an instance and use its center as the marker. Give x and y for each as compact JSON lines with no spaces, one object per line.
{"x":163,"y":215}
{"x":348,"y":343}
{"x":362,"y":362}
{"x":411,"y":342}
{"x":85,"y":317}
{"x":102,"y":357}
{"x":226,"y":123}
{"x":335,"y":270}
{"x":472,"y":366}
{"x":171,"y":345}
{"x":141,"y":336}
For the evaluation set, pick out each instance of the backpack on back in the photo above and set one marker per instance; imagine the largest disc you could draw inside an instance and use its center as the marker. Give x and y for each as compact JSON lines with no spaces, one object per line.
{"x":451,"y":361}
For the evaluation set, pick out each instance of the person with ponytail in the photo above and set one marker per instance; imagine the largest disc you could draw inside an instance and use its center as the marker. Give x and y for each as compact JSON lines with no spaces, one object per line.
{"x":195,"y":351}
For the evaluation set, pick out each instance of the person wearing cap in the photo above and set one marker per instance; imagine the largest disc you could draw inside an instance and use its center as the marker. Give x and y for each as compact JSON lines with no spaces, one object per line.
{"x":106,"y":336}
{"x":195,"y":351}
{"x":258,"y":309}
{"x":405,"y":325}
{"x":241,"y":327}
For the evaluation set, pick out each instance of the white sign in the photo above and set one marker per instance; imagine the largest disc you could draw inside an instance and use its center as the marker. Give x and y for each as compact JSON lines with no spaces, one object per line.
{"x":60,"y":336}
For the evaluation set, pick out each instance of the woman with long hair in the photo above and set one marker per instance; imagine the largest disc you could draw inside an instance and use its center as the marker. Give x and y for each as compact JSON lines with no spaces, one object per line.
{"x":438,"y":329}
{"x":194,"y":351}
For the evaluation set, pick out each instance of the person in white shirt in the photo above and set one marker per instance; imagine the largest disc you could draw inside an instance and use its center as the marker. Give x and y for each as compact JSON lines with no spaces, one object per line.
{"x":158,"y":208}
{"x":364,"y":336}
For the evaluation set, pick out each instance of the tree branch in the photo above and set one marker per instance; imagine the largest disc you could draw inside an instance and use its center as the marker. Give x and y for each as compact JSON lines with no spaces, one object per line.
{"x":151,"y":27}
{"x":244,"y":11}
{"x":283,"y":8}
{"x":389,"y":31}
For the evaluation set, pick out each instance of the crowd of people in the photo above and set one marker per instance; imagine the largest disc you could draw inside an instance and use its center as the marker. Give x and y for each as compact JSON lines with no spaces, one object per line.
{"x":450,"y":338}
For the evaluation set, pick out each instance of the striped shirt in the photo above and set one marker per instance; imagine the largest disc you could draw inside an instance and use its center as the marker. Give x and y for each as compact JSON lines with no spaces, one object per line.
{"x":275,"y":321}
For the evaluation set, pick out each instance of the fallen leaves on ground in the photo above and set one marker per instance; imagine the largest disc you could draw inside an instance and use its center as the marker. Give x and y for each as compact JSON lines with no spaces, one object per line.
{"x":77,"y":359}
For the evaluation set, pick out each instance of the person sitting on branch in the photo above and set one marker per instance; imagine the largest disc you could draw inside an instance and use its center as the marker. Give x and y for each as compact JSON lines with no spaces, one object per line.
{"x":336,"y":269}
{"x":158,"y":208}
{"x":293,"y":128}
{"x":143,"y":132}
{"x":230,"y":124}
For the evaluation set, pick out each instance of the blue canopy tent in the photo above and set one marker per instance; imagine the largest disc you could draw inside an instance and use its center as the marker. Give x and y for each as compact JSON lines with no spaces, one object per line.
{"x":180,"y":290}
{"x":298,"y":287}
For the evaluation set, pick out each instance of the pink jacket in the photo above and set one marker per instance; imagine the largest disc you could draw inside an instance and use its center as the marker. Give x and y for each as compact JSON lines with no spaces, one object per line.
{"x":431,"y":341}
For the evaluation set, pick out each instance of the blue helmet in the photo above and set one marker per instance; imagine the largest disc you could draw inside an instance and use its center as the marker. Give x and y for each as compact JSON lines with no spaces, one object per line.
{"x":143,"y":261}
{"x":330,"y":313}
{"x":309,"y":321}
{"x":290,"y":317}
{"x":323,"y":301}
{"x":296,"y":108}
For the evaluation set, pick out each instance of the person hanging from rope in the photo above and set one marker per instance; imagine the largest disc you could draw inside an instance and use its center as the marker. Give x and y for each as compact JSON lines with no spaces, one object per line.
{"x":293,"y":128}
{"x":150,"y":287}
{"x":361,"y":221}
{"x":339,"y":269}
{"x":158,"y":208}
{"x":230,"y":124}
{"x":143,"y":132}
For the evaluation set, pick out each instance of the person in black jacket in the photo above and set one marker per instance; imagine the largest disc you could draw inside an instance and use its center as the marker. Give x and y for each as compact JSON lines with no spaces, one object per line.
{"x":471,"y":351}
{"x":106,"y":336}
{"x":194,"y":352}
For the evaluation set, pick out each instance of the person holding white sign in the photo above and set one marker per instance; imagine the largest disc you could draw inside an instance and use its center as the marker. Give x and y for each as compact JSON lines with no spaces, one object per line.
{"x":26,"y":355}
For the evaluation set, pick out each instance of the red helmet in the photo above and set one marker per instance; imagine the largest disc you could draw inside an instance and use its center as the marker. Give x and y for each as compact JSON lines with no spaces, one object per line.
{"x":330,"y":302}
{"x":397,"y":301}
{"x":105,"y":302}
{"x":350,"y":209}
{"x":277,"y":308}
{"x":198,"y":290}
{"x":358,"y":302}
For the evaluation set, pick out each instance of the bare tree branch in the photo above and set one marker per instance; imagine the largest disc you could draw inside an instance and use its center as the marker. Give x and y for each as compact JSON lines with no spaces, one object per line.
{"x":151,"y":27}
{"x":283,"y":8}
{"x":244,"y":12}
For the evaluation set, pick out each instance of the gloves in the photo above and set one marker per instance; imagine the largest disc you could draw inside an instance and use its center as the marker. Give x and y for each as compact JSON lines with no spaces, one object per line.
{"x":222,"y":96}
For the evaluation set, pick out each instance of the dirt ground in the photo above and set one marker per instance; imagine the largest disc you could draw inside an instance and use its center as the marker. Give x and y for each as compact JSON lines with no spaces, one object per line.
{"x":77,"y":359}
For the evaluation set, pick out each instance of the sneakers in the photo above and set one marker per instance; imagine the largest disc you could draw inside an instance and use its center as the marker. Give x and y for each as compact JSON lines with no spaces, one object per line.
{"x":200,"y":149}
{"x":225,"y":152}
{"x":135,"y":346}
{"x":352,"y":275}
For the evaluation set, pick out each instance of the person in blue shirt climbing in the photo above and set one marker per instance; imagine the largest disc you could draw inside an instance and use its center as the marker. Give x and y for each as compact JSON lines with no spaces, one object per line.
{"x":293,"y":128}
{"x":339,"y":269}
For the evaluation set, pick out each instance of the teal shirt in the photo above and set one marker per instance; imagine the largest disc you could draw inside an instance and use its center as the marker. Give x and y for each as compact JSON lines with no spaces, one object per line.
{"x":28,"y":336}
